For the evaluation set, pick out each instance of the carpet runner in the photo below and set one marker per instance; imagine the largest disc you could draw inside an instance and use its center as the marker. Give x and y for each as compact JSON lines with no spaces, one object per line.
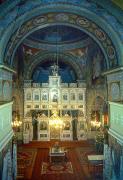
{"x":56,"y":168}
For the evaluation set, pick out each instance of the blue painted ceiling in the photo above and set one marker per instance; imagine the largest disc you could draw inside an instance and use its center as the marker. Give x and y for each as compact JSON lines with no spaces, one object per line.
{"x":41,"y":72}
{"x":58,"y":34}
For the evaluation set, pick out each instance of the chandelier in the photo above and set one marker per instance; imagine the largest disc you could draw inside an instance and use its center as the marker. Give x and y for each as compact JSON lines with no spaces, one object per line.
{"x":55,"y":121}
{"x":95,"y":123}
{"x":16,"y":122}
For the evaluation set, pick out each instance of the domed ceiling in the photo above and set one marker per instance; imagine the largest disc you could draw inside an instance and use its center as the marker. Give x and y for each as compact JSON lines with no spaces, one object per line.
{"x":58,"y":34}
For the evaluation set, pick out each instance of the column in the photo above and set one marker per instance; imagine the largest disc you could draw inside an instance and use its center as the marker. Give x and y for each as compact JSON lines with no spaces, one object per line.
{"x":107,"y":170}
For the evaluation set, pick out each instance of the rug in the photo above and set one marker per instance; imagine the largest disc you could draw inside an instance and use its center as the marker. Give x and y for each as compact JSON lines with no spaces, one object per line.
{"x":60,"y":168}
{"x":28,"y":155}
{"x":25,"y":162}
{"x":83,"y":153}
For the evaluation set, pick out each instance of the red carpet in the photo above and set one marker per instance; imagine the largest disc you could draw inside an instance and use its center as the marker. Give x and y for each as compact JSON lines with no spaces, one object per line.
{"x":28,"y":155}
{"x":79,"y":171}
{"x":49,"y":168}
{"x":25,"y":162}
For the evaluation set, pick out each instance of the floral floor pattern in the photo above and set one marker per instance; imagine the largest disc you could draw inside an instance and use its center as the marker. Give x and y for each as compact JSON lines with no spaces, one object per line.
{"x":56,"y":168}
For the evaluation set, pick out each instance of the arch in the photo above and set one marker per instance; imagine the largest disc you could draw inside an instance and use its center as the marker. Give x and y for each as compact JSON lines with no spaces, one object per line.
{"x":83,"y":18}
{"x":105,"y":47}
{"x":41,"y":58}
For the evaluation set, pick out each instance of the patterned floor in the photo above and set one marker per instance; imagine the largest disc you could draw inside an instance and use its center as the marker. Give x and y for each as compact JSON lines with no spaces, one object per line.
{"x":76,"y":169}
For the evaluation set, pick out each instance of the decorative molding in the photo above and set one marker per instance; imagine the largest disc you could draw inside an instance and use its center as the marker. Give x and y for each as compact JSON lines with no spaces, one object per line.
{"x":6,"y":140}
{"x":116,"y":136}
{"x":113,"y":71}
{"x":6,"y":104}
{"x":7,"y":68}
{"x":115,"y":103}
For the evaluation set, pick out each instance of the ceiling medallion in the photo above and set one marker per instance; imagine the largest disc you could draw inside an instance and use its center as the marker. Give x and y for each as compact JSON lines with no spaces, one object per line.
{"x":62,"y":17}
{"x":100,"y":34}
{"x":111,"y":52}
{"x":83,"y":22}
{"x":40,"y":20}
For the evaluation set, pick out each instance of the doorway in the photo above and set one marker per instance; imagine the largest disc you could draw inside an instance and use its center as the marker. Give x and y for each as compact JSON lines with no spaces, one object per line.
{"x":54,"y":133}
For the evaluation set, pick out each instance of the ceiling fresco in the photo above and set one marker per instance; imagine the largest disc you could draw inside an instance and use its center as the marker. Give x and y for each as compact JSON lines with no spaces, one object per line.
{"x":31,"y":15}
{"x":41,"y":72}
{"x":58,"y":34}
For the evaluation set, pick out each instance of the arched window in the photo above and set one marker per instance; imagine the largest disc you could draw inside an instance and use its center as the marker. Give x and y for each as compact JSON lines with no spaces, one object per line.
{"x":28,"y":96}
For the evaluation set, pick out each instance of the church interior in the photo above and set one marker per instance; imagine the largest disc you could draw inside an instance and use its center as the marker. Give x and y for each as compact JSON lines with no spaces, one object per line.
{"x":61,"y":89}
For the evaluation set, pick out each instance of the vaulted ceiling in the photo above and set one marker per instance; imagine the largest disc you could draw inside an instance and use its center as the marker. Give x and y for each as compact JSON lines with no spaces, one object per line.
{"x":58,"y":34}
